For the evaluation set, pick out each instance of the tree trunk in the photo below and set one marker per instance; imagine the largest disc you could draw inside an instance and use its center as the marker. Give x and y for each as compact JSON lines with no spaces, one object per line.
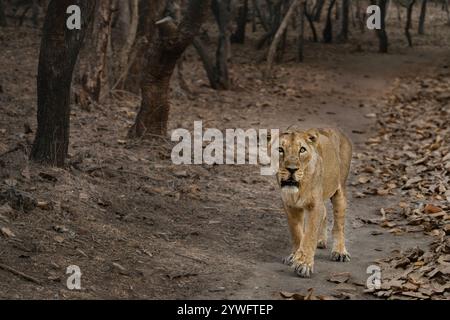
{"x":328,"y":31}
{"x":447,"y":11}
{"x":2,"y":15}
{"x":239,"y":35}
{"x":301,"y":32}
{"x":262,"y":18}
{"x":409,"y":11}
{"x":337,"y":12}
{"x":149,"y":13}
{"x":399,"y":13}
{"x":207,"y":61}
{"x":94,"y":79}
{"x":222,"y":12}
{"x":217,"y":71}
{"x":279,"y":35}
{"x":165,"y":49}
{"x":423,"y":13}
{"x":382,"y":35}
{"x":121,"y":20}
{"x":345,"y":10}
{"x":318,"y":10}
{"x":311,"y":24}
{"x":58,"y":55}
{"x":125,"y":52}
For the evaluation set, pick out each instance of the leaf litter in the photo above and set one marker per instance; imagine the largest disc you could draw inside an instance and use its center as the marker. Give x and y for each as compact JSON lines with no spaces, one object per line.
{"x":410,"y":158}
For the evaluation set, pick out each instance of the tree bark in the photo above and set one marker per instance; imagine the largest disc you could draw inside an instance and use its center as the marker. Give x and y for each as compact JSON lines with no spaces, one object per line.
{"x":318,"y":10}
{"x":125,"y":52}
{"x":445,"y":7}
{"x":2,"y":14}
{"x":58,"y":55}
{"x":262,"y":18}
{"x":345,"y":10}
{"x":279,"y":35}
{"x":239,"y":35}
{"x":301,"y":32}
{"x":423,"y":13}
{"x":309,"y":17}
{"x":207,"y":61}
{"x":121,"y":20}
{"x":165,"y":50}
{"x":328,"y":31}
{"x":94,"y":79}
{"x":217,"y":70}
{"x":149,"y":13}
{"x":222,"y":12}
{"x":381,"y":33}
{"x":409,"y":10}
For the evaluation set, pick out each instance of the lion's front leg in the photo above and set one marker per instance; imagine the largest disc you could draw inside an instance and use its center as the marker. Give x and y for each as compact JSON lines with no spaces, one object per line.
{"x":295,"y":221}
{"x":303,"y":260}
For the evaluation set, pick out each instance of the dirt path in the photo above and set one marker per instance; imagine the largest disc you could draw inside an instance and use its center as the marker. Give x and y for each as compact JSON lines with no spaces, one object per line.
{"x":355,"y":85}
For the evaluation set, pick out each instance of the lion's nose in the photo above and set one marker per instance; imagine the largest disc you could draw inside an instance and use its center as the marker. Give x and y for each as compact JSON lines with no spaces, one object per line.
{"x":292,"y":170}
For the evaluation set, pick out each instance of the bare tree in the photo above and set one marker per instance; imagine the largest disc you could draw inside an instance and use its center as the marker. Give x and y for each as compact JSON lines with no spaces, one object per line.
{"x":125,"y":52}
{"x":26,"y":6}
{"x":2,"y":14}
{"x":58,"y":55}
{"x":318,"y":9}
{"x":409,"y":10}
{"x":328,"y":30}
{"x":309,"y":16}
{"x":165,"y":49}
{"x":345,"y":11}
{"x":423,"y":13}
{"x":241,"y":23}
{"x":301,"y":31}
{"x":381,"y":33}
{"x":149,"y":14}
{"x":94,"y":78}
{"x":447,"y":11}
{"x":279,"y":34}
{"x":218,"y":72}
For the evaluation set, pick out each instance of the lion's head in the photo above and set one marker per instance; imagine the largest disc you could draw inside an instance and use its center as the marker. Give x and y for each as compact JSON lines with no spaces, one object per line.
{"x":297,"y":155}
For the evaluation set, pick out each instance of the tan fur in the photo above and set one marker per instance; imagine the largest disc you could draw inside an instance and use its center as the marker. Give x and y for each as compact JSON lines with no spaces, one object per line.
{"x":319,"y":160}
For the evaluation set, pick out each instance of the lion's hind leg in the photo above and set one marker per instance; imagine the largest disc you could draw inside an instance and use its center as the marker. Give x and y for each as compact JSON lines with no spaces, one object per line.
{"x":323,"y":232}
{"x":339,"y":201}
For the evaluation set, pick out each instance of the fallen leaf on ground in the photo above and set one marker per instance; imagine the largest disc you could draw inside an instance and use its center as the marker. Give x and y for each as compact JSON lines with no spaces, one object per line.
{"x":6,"y":232}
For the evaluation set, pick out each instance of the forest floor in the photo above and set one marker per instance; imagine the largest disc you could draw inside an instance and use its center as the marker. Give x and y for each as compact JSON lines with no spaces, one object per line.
{"x":140,"y":227}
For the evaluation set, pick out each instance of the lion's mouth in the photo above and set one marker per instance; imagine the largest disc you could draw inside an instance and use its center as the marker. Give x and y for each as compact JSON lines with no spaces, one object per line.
{"x":289,"y":183}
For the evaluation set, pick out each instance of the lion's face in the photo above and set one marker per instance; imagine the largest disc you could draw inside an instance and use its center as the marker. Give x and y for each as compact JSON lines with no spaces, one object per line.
{"x":296,"y":151}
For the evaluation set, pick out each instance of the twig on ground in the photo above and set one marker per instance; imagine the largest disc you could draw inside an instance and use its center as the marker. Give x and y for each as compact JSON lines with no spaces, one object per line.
{"x":19,"y":273}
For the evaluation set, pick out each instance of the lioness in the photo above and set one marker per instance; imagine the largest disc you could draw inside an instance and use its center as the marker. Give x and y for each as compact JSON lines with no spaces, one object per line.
{"x":313,"y":166}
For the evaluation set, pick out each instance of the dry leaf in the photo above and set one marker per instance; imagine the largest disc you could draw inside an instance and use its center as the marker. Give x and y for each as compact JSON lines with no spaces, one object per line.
{"x":339,"y":277}
{"x":429,"y":208}
{"x":363,"y":180}
{"x":58,"y":239}
{"x":7,"y":233}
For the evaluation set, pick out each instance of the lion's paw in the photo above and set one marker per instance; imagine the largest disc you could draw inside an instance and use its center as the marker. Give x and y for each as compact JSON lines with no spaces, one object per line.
{"x":340,"y":256}
{"x":288,"y":260}
{"x":303,"y":270}
{"x":303,"y":267}
{"x":322,"y":244}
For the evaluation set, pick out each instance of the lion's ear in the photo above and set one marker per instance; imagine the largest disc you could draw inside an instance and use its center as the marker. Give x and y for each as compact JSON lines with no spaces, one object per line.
{"x":313,"y":136}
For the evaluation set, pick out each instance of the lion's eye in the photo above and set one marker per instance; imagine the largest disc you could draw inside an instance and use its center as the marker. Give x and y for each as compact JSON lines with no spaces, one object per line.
{"x":302,"y":150}
{"x":280,"y":150}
